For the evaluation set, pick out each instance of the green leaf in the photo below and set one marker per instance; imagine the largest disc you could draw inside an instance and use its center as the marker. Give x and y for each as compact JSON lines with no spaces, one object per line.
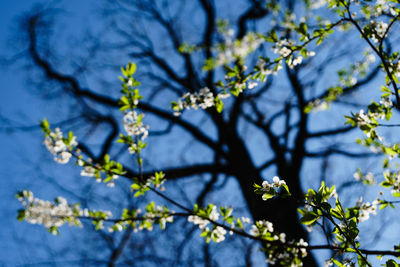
{"x":391,"y":263}
{"x":309,"y":218}
{"x":267,"y":196}
{"x":385,"y":184}
{"x":338,"y":263}
{"x":286,"y":189}
{"x":256,"y":186}
{"x":21,"y":215}
{"x":131,"y":68}
{"x":218,"y":104}
{"x":135,"y":187}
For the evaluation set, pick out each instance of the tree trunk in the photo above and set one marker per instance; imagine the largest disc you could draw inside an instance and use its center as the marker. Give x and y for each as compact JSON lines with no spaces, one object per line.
{"x":281,"y":212}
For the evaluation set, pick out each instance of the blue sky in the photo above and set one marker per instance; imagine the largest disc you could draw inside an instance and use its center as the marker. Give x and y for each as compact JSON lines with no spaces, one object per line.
{"x":19,"y":154}
{"x":22,"y":154}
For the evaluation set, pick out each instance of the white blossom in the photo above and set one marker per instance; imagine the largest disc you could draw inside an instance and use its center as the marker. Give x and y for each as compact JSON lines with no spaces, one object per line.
{"x":278,"y":182}
{"x":201,"y":222}
{"x":203,"y":99}
{"x":366,"y":209}
{"x":214,"y":215}
{"x":294,"y":62}
{"x":134,"y":126}
{"x":88,"y":171}
{"x":261,"y":228}
{"x":386,"y":102}
{"x":315,"y":4}
{"x":219,"y":234}
{"x":282,"y":47}
{"x":362,"y":119}
{"x":59,"y":147}
{"x":245,"y":220}
{"x":303,"y":250}
{"x":51,"y":214}
{"x":252,"y":84}
{"x":380,"y":30}
{"x":232,"y":49}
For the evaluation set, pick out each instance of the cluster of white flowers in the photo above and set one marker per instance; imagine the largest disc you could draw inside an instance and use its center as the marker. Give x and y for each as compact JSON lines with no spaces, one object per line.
{"x":303,"y":251}
{"x":315,"y":4}
{"x":384,"y":6}
{"x":368,"y":178}
{"x":294,"y":62}
{"x":362,"y":119}
{"x":386,"y":102}
{"x":218,"y":234}
{"x":380,"y":30}
{"x":366,"y":209}
{"x":359,"y":67}
{"x":203,"y":99}
{"x":147,"y":223}
{"x":318,"y":105}
{"x":233,"y":49}
{"x":158,"y":213}
{"x":395,"y":181}
{"x":50,"y":214}
{"x":245,"y":220}
{"x":276,"y":183}
{"x":395,"y":68}
{"x":262,"y":66}
{"x":268,"y":188}
{"x":252,"y":84}
{"x":134,"y":126}
{"x":58,"y":146}
{"x":89,"y":170}
{"x":282,"y":47}
{"x":261,"y":228}
{"x":288,"y":256}
{"x":202,"y":222}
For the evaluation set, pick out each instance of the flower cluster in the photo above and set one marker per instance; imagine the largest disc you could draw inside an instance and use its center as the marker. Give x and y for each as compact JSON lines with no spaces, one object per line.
{"x":292,"y":62}
{"x":363,"y":119}
{"x":59,"y":146}
{"x":317,"y":105}
{"x":380,"y":28}
{"x":367,"y":178}
{"x":290,"y":256}
{"x":232,"y":49}
{"x":283,"y":47}
{"x":392,"y":181}
{"x":203,"y":222}
{"x":88,"y":171}
{"x":154,"y":215}
{"x":203,"y":99}
{"x":303,"y":251}
{"x":217,"y":233}
{"x":134,"y":126}
{"x":50,"y":214}
{"x":384,"y":6}
{"x":366,"y":209}
{"x":264,"y":68}
{"x":261,"y":228}
{"x":106,"y":171}
{"x":270,"y":190}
